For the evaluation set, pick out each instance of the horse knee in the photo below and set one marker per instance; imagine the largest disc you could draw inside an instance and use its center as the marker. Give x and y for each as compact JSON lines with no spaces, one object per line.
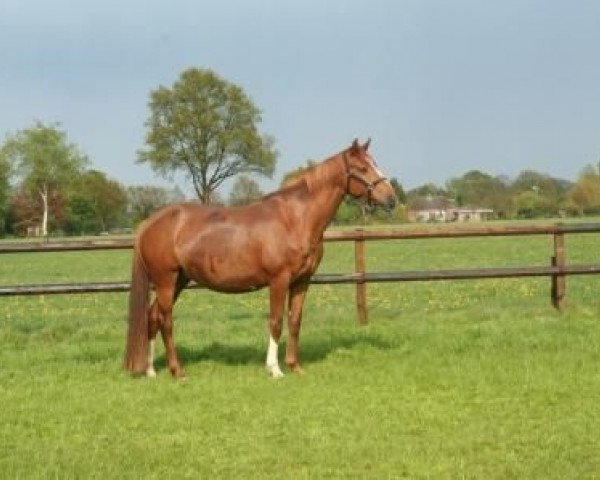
{"x":294,"y":325}
{"x":275,"y":325}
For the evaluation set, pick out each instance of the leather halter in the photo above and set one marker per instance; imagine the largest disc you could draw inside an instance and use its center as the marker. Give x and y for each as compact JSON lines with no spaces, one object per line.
{"x":370,"y":186}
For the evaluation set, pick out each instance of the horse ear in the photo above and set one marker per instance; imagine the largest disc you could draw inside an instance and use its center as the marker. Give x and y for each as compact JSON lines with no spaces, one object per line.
{"x":355,"y":147}
{"x":366,"y":145}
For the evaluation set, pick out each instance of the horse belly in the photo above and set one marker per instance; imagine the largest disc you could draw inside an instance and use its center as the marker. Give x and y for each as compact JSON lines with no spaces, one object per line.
{"x":228,"y":274}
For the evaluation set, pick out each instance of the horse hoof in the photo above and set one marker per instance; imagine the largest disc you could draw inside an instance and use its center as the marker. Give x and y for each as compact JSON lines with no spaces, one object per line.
{"x":177,"y":372}
{"x":274,"y":371}
{"x":294,"y":367}
{"x":151,"y":373}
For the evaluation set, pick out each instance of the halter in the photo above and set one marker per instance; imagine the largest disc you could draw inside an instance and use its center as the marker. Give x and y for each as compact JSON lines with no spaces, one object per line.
{"x":370,"y":186}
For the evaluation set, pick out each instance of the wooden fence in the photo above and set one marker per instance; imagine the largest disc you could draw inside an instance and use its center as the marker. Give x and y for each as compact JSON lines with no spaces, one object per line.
{"x":557,"y":270}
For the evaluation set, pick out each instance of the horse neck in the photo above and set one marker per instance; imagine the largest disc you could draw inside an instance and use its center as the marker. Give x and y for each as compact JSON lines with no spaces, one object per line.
{"x":326,"y":194}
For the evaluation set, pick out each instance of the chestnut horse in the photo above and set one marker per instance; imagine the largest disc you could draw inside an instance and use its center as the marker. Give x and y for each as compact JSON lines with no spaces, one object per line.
{"x":276,"y":241}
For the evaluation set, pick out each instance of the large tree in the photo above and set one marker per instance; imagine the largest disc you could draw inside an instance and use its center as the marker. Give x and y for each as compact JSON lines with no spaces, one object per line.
{"x":205,"y":127}
{"x":145,"y":199}
{"x":45,"y":163}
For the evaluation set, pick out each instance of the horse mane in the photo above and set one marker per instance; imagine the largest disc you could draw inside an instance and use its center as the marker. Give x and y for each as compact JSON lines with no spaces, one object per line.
{"x":313,"y":176}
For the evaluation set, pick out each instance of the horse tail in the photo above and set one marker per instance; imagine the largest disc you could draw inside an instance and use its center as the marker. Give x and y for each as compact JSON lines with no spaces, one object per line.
{"x":136,"y":351}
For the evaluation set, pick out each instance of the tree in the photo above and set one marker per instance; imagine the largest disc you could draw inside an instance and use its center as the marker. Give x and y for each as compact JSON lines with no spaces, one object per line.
{"x":24,"y":212}
{"x":245,"y":190}
{"x":478,"y":189}
{"x":400,"y":193}
{"x":82,"y":217}
{"x":425,"y":195}
{"x":585,"y":194}
{"x":426,"y":190}
{"x":552,"y":191}
{"x":45,"y":163}
{"x":205,"y":127}
{"x":349,"y":212}
{"x":146,"y":199}
{"x":96,"y":203}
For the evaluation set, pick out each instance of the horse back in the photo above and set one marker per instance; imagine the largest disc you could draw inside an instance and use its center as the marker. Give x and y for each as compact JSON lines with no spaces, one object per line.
{"x":226,"y":249}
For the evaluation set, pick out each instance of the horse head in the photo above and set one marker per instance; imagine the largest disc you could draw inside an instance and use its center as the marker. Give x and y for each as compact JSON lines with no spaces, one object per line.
{"x":364,"y":180}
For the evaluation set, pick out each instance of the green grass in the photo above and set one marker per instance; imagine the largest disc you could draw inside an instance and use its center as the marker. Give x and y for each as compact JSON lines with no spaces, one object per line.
{"x":466,"y":379}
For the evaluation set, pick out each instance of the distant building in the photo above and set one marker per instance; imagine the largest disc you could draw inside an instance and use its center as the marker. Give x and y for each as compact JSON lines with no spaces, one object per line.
{"x":471,"y":214}
{"x":441,"y":209}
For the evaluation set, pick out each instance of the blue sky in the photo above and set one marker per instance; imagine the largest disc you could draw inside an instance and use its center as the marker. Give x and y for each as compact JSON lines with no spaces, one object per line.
{"x":442,"y":87}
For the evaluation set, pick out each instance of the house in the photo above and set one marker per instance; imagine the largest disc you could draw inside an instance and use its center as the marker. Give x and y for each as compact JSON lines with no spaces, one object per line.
{"x":430,"y":209}
{"x":442,"y":209}
{"x":471,"y":214}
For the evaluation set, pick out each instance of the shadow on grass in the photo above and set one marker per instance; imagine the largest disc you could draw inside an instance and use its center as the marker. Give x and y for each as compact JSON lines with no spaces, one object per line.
{"x":236,"y":354}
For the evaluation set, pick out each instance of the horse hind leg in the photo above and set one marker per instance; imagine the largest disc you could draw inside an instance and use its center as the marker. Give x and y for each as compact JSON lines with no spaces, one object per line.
{"x":167,"y":293}
{"x":154,"y":321}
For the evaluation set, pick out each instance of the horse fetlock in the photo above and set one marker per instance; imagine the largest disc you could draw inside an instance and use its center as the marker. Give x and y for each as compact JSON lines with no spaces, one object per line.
{"x":274,"y":371}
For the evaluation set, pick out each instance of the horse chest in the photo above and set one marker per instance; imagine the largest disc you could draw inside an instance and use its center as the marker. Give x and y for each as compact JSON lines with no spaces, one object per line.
{"x":309,"y":260}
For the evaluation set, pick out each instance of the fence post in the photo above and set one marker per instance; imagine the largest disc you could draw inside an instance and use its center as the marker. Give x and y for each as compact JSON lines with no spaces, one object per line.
{"x":361,"y":287}
{"x":559,"y":287}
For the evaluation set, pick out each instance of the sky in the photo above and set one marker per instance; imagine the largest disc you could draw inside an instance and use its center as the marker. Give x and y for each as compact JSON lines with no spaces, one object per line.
{"x":442,"y":87}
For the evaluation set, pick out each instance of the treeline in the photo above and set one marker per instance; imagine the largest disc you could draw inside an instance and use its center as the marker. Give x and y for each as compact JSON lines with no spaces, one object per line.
{"x":530,"y":195}
{"x":47,"y":186}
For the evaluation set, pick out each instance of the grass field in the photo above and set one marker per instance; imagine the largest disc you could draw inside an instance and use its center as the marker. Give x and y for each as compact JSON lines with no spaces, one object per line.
{"x":463,"y":379}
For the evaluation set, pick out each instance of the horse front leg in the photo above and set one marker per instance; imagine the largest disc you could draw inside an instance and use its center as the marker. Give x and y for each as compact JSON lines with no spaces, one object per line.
{"x":296,"y":301}
{"x":277,"y":293}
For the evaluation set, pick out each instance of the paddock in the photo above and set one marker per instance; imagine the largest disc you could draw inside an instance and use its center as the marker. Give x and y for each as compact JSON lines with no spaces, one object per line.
{"x":451,"y":378}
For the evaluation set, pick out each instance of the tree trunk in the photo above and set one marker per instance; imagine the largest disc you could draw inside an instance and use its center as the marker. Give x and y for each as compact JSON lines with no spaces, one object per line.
{"x":206,"y":196}
{"x":44,"y":195}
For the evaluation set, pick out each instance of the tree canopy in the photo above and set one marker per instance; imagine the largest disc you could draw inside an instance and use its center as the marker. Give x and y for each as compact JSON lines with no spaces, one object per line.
{"x":585,"y":194}
{"x":479,"y":189}
{"x":244,"y":191}
{"x":44,"y":162}
{"x":95,"y":203}
{"x":206,"y":128}
{"x":146,"y":199}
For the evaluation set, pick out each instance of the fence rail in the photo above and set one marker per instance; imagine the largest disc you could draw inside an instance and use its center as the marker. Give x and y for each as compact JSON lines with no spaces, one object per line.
{"x":330,"y":236}
{"x":558,"y":270}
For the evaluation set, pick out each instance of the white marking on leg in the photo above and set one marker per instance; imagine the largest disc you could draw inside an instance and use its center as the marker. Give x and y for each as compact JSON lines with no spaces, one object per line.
{"x":272,"y":362}
{"x":150,"y":372}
